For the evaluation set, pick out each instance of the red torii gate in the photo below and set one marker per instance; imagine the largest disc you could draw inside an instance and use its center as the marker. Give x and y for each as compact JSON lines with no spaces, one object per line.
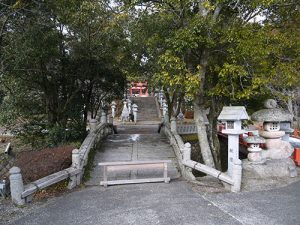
{"x":139,"y":89}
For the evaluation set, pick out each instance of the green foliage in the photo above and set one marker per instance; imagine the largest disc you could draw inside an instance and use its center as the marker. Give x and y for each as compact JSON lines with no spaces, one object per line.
{"x":174,"y":75}
{"x":59,"y":61}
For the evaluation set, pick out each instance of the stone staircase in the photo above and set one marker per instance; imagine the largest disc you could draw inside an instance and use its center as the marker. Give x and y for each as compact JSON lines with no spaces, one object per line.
{"x":147,"y":109}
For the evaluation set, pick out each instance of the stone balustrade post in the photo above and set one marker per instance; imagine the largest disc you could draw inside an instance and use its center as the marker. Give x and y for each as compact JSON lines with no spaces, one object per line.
{"x":173,"y":125}
{"x":76,"y":164}
{"x":187,"y":152}
{"x":16,"y":186}
{"x":76,"y":159}
{"x":93,"y":124}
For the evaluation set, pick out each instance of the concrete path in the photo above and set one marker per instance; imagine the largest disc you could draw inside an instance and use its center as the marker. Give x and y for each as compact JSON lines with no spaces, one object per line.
{"x":176,"y":203}
{"x":135,"y":143}
{"x":168,"y":204}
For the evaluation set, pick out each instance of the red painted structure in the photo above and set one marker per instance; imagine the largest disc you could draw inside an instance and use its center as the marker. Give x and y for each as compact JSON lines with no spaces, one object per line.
{"x":139,"y":89}
{"x":296,"y":155}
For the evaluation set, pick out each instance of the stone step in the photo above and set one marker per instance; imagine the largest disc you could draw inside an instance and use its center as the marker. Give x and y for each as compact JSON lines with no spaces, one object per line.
{"x":147,"y":109}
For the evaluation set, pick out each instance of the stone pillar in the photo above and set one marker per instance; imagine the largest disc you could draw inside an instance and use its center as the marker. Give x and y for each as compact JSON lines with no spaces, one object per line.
{"x":103,"y":117}
{"x":93,"y":124}
{"x":233,"y":151}
{"x":236,"y":175}
{"x":173,"y":125}
{"x":16,"y":185}
{"x":113,"y":109}
{"x":187,"y":152}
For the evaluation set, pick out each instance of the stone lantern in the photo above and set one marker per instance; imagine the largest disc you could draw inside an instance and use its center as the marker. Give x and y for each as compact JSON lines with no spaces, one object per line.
{"x":113,"y":109}
{"x":255,"y":152}
{"x":129,"y":102}
{"x":271,"y":118}
{"x":135,"y":110}
{"x":125,"y":112}
{"x":286,"y":127}
{"x":232,"y":117}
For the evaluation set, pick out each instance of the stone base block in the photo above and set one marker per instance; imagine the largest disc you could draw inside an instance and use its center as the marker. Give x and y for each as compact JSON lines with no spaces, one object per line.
{"x":269,"y":169}
{"x":271,"y":173}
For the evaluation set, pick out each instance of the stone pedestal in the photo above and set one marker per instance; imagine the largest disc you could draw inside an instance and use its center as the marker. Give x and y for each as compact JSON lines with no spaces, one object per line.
{"x":272,"y":173}
{"x":270,"y":169}
{"x":276,"y":148}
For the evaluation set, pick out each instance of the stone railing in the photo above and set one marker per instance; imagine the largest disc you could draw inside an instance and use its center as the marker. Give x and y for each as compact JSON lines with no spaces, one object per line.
{"x":158,"y":107}
{"x":21,"y":194}
{"x":178,"y":145}
{"x":187,"y":128}
{"x":183,"y":153}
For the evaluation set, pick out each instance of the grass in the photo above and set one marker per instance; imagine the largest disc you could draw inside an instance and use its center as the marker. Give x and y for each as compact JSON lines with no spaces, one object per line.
{"x":189,"y":137}
{"x":51,"y":191}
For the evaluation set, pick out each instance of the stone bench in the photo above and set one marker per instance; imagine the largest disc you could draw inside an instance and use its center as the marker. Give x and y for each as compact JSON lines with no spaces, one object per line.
{"x":134,"y":165}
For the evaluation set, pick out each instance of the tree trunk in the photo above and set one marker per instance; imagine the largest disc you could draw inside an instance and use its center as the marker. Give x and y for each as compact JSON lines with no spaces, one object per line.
{"x":213,"y":135}
{"x":200,"y":113}
{"x":199,"y":117}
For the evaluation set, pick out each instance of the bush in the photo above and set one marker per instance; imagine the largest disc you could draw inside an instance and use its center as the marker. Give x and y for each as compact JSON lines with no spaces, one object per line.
{"x":39,"y":136}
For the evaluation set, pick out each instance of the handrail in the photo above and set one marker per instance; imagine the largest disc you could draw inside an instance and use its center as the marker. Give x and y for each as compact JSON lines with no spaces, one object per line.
{"x":183,"y":153}
{"x":177,"y":144}
{"x":22,"y":194}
